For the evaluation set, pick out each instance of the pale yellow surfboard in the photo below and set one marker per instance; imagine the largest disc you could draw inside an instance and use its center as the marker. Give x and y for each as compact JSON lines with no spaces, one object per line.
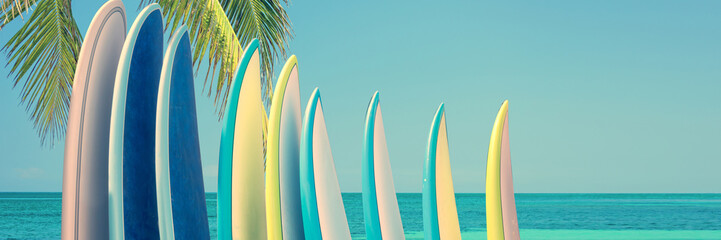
{"x":501,"y":220}
{"x":440,"y":216}
{"x":247,"y":193}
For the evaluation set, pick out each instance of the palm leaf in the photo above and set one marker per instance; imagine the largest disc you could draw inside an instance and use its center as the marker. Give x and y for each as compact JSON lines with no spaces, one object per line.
{"x":11,"y":9}
{"x":213,"y":25}
{"x":211,"y":33}
{"x":267,"y":21}
{"x":42,"y":56}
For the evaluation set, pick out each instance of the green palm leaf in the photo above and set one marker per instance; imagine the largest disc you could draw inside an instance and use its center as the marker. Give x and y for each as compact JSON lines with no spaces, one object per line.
{"x":213,"y":25}
{"x":268,"y":21}
{"x":10,"y":9}
{"x":42,"y":57}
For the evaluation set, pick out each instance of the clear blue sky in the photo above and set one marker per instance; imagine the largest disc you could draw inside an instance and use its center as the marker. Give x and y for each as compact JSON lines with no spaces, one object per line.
{"x":605,"y":96}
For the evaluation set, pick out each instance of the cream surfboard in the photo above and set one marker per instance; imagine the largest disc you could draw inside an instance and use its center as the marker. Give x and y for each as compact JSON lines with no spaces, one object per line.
{"x":501,"y":220}
{"x":241,"y":197}
{"x":323,"y":212}
{"x":182,"y":212}
{"x":282,"y":186}
{"x":85,"y":164}
{"x":133,"y":207}
{"x":440,"y":217}
{"x":380,"y":206}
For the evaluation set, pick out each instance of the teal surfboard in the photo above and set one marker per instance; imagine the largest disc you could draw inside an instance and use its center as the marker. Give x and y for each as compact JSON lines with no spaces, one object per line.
{"x":182,"y":212}
{"x":380,"y":206}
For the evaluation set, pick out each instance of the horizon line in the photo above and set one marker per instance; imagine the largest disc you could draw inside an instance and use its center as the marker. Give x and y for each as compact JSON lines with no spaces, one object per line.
{"x":471,"y":192}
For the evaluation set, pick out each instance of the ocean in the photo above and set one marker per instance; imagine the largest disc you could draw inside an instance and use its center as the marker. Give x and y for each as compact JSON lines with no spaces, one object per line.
{"x":540,"y":216}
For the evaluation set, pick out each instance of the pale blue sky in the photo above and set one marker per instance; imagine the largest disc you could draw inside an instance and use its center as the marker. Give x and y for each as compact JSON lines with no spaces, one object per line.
{"x":605,"y":96}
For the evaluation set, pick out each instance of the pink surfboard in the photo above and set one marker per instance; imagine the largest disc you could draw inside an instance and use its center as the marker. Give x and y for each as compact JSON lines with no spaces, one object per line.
{"x":85,"y":170}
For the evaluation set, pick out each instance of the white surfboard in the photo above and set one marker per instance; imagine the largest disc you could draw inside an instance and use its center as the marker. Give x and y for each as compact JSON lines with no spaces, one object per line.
{"x":323,"y":212}
{"x":380,"y":206}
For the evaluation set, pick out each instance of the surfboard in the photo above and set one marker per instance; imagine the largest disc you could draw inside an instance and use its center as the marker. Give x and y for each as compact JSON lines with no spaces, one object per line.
{"x":380,"y":206}
{"x":132,"y":202}
{"x":85,"y":164}
{"x":182,"y":212}
{"x":241,"y":199}
{"x":501,"y":218}
{"x":323,"y":212}
{"x":440,"y":217}
{"x":282,"y":186}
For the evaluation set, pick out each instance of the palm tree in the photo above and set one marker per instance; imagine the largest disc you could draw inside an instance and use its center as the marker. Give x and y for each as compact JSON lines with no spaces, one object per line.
{"x":42,"y":55}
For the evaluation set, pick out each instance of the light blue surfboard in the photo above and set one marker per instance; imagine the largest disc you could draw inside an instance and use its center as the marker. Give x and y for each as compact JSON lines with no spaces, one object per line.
{"x":133,"y":207}
{"x":182,"y":212}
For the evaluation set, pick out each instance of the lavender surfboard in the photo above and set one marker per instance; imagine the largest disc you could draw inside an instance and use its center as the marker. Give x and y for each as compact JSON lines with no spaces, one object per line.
{"x":85,"y":170}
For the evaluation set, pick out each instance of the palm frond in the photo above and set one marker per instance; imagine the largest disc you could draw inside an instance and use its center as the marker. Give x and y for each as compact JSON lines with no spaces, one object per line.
{"x":213,"y":25}
{"x":42,"y":56}
{"x":211,"y":33}
{"x":268,"y":21}
{"x":11,"y":9}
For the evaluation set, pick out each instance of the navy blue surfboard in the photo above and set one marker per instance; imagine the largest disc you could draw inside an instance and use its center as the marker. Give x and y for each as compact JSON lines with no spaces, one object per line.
{"x":132,"y":195}
{"x":181,"y":197}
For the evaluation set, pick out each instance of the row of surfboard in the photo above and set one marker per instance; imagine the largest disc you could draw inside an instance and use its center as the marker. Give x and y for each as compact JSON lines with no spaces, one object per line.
{"x":132,"y":167}
{"x":132,"y":161}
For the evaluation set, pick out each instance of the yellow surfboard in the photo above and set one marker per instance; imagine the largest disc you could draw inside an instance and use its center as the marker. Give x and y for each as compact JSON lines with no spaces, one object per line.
{"x":501,"y":220}
{"x":282,"y":186}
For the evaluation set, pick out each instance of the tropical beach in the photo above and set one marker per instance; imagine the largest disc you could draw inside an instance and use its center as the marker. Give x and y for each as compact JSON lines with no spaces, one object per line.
{"x":368,"y":120}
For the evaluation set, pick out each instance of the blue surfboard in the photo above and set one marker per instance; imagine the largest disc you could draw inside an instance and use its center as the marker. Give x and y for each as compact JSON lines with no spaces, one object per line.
{"x":133,"y":207}
{"x":182,"y":212}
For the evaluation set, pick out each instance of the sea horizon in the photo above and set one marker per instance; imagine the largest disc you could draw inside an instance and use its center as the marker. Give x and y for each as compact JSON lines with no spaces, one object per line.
{"x":671,"y":216}
{"x":462,"y":192}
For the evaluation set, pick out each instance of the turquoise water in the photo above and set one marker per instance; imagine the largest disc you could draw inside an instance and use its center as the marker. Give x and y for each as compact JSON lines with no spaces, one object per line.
{"x":540,"y":216}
